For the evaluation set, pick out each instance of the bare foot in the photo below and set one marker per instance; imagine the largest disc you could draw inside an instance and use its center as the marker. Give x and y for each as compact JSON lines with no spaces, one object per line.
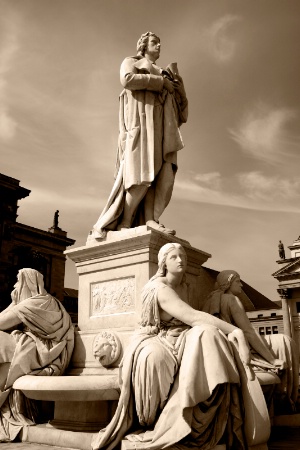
{"x":160,"y":227}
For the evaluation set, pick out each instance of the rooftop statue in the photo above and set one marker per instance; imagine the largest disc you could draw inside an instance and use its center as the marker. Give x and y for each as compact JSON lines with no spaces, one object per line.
{"x":281,"y":250}
{"x":153,"y":105}
{"x":270,"y":355}
{"x":41,"y":344}
{"x":180,"y":378}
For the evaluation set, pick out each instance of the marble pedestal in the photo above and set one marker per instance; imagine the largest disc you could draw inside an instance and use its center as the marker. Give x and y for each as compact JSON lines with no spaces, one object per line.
{"x":112,"y":274}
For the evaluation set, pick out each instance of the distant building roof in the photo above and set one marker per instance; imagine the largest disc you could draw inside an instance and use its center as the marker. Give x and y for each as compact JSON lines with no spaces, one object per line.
{"x":69,"y":292}
{"x":250,"y":297}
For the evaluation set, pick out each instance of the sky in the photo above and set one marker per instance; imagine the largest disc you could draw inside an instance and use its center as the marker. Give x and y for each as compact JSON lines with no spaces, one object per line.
{"x":237,"y":189}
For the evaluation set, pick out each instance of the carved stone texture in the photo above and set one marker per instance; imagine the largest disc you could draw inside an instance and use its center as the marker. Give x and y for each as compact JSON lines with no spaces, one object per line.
{"x":106,"y":348}
{"x":114,"y":296}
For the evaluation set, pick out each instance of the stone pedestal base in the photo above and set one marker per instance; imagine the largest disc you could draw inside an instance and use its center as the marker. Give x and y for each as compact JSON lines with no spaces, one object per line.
{"x":112,"y":274}
{"x":83,"y":416}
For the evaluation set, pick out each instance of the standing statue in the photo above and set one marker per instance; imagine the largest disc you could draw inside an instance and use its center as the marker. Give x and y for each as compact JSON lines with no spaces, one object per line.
{"x":180,"y":380}
{"x":55,"y":219}
{"x":153,"y":105}
{"x":41,"y":344}
{"x":281,"y":250}
{"x":270,"y":355}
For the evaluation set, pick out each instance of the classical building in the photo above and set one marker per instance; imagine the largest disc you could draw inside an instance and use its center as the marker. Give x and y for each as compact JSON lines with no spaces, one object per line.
{"x":288,"y":277}
{"x":25,"y":246}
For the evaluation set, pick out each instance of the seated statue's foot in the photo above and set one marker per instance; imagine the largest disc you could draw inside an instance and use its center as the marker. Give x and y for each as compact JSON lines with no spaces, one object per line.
{"x":96,"y":235}
{"x":160,"y":227}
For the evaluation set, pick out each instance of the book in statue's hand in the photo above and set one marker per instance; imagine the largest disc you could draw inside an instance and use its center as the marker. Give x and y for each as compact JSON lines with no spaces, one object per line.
{"x":172,"y":69}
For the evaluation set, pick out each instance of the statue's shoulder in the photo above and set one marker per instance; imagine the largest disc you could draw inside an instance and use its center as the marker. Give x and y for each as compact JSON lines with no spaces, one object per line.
{"x":131,"y":59}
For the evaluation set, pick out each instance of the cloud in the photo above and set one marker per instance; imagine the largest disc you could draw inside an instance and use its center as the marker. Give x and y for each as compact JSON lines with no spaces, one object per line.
{"x":263,"y":133}
{"x":8,"y":49}
{"x":252,"y":190}
{"x":221,"y":46}
{"x":7,"y":125}
{"x":211,"y":179}
{"x":258,"y":186}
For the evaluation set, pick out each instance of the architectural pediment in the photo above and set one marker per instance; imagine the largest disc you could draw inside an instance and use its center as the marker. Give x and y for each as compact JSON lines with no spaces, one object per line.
{"x":290,"y":270}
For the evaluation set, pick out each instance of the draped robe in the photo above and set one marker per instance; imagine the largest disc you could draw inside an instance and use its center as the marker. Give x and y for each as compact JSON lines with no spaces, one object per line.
{"x":43,"y":346}
{"x":180,"y":386}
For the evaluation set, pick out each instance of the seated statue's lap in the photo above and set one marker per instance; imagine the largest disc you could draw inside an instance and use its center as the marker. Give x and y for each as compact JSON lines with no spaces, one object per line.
{"x":154,"y":371}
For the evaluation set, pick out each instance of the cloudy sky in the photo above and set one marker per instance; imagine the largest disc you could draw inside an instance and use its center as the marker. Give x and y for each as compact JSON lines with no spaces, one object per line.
{"x":237,"y":191}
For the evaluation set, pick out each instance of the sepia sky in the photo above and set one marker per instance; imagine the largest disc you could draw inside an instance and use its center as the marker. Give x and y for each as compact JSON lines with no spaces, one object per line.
{"x":237,"y":191}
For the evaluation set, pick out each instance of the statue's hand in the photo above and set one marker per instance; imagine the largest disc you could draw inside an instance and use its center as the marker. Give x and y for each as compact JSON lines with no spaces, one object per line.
{"x":169,"y":85}
{"x":238,"y":337}
{"x":179,"y":86}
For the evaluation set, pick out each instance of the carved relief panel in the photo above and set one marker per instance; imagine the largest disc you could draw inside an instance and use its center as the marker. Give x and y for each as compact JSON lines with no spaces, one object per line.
{"x":112,"y":297}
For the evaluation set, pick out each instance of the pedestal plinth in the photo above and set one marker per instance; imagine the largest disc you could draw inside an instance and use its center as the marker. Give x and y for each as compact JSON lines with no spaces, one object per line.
{"x":112,"y":274}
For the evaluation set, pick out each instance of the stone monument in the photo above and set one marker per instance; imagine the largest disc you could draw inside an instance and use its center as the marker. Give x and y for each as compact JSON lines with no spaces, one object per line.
{"x":122,"y":254}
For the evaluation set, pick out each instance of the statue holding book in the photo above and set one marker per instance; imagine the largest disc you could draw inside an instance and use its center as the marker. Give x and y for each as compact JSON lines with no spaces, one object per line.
{"x":153,"y":105}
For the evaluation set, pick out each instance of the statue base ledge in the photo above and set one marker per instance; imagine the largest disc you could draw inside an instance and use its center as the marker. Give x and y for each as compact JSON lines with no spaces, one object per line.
{"x":112,"y":236}
{"x":69,"y":388}
{"x":130,"y":445}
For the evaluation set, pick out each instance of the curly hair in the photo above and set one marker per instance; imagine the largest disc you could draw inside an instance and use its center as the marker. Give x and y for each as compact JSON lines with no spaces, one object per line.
{"x":143,"y":42}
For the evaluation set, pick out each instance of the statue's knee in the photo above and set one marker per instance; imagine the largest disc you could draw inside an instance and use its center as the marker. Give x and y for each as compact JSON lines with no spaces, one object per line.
{"x":206,"y":328}
{"x":152,"y":355}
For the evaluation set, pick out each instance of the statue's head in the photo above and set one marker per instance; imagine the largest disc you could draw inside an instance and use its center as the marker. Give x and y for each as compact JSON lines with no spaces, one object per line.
{"x":226,"y":281}
{"x":163,"y":254}
{"x":30,"y":283}
{"x":142,"y":43}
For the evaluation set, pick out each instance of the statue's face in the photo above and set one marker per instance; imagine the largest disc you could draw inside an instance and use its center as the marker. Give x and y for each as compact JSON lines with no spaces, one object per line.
{"x":15,"y":295}
{"x":236,"y":286}
{"x":102,"y":351}
{"x":153,"y":48}
{"x":176,"y":261}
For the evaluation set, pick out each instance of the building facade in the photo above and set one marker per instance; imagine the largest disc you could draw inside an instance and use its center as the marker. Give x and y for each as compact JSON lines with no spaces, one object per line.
{"x":25,"y":246}
{"x":288,"y":277}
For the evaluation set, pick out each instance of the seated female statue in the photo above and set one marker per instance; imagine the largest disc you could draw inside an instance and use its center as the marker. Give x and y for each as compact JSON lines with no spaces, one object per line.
{"x":270,"y":355}
{"x":41,"y":343}
{"x":180,"y":381}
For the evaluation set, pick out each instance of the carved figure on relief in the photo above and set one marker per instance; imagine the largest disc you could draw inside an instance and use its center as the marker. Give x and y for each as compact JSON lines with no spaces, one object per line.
{"x":113,"y":296}
{"x":153,"y":106}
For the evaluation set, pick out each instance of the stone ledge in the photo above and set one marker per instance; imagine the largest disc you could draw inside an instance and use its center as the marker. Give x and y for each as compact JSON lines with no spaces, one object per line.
{"x":69,"y":388}
{"x":133,"y":445}
{"x":47,"y":435}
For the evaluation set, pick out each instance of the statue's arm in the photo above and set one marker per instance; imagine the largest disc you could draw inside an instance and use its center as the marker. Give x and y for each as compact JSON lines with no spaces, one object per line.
{"x":8,"y":319}
{"x":256,"y":342}
{"x":182,"y":101}
{"x":132,"y":80}
{"x":171,"y":303}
